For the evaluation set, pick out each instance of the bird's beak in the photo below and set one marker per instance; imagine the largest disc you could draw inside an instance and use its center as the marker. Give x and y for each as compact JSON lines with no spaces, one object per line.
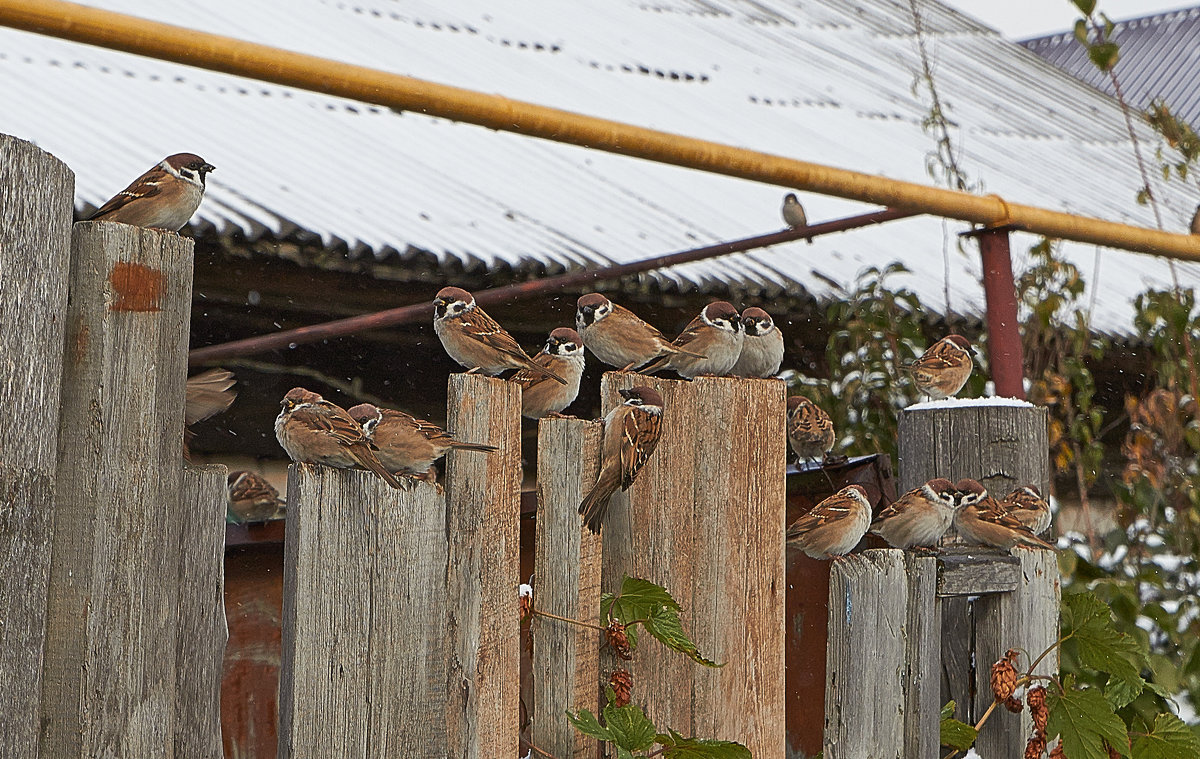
{"x":208,"y":167}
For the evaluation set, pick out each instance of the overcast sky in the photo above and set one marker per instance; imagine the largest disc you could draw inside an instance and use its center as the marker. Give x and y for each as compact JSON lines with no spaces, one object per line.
{"x":1019,"y":19}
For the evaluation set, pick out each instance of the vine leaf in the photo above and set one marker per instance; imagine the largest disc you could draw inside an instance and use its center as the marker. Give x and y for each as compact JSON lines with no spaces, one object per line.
{"x":665,"y":626}
{"x":1087,"y":624}
{"x":1171,"y":738}
{"x":1085,"y":721}
{"x":956,"y":734}
{"x":675,"y":746}
{"x":641,"y":601}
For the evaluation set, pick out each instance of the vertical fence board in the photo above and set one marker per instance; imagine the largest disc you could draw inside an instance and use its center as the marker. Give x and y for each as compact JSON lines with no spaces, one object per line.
{"x":922,"y":702}
{"x":566,"y":575}
{"x":36,"y":192}
{"x":200,"y":654}
{"x":363,"y":658}
{"x":482,"y":520}
{"x":865,"y":669}
{"x":111,"y":636}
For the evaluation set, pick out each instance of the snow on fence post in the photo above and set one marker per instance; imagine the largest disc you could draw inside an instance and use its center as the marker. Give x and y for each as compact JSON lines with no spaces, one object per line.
{"x":705,"y":519}
{"x":36,"y":191}
{"x":112,"y":613}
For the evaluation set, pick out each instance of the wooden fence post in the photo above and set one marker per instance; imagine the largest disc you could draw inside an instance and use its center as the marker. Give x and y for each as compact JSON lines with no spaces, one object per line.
{"x":200,"y":655}
{"x":705,"y":519}
{"x":363,"y":654}
{"x":483,"y":521}
{"x":36,"y":191}
{"x":111,"y":633}
{"x":566,"y":575}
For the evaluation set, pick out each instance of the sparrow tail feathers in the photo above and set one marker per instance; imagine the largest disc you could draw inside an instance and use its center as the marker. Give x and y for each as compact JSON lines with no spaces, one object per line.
{"x":461,"y":446}
{"x":595,"y":503}
{"x":368,"y":459}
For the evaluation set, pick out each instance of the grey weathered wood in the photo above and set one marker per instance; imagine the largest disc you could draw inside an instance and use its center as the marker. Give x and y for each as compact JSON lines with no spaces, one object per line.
{"x":566,"y":577}
{"x":363,"y":670}
{"x":976,"y":571}
{"x":1025,"y":620}
{"x":200,"y":654}
{"x":36,"y":191}
{"x":865,"y":658}
{"x":112,"y":613}
{"x":483,"y":513}
{"x":705,"y":519}
{"x":922,"y":686}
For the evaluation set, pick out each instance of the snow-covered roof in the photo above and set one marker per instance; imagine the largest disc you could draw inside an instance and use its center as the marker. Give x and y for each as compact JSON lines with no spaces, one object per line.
{"x":822,"y":80}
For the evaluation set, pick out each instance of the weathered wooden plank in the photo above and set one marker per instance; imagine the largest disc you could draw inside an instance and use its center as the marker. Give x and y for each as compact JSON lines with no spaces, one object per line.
{"x":922,"y":682}
{"x":976,"y":571}
{"x":363,"y":670}
{"x":705,"y":519}
{"x":200,"y":654}
{"x":483,"y":512}
{"x":36,"y":192}
{"x":865,"y":660}
{"x":1027,"y":620}
{"x":109,"y":687}
{"x":566,"y":576}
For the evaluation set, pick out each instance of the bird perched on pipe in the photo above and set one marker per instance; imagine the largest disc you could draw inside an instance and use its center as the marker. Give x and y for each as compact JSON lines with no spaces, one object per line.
{"x":631,"y":433}
{"x":716,"y":333}
{"x":314,"y":431}
{"x":793,"y":214}
{"x":476,"y":340}
{"x":982,"y":520}
{"x":165,"y":197}
{"x":834,"y":526}
{"x":406,"y":445}
{"x":762,"y":346}
{"x":920,"y":517}
{"x":943,"y":369}
{"x":251,"y":497}
{"x":810,"y":430}
{"x":1028,"y":507}
{"x":619,"y":337}
{"x":563,"y":355}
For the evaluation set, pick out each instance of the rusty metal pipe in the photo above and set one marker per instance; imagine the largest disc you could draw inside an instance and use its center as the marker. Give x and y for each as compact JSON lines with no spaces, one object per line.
{"x":1003,"y":330}
{"x":393,"y":316}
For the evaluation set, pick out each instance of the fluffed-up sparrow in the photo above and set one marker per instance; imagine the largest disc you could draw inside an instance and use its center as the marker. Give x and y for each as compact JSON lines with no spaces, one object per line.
{"x":314,"y":431}
{"x":407,"y":445}
{"x":1029,"y":508}
{"x":834,"y":526}
{"x":762,"y":347}
{"x":476,"y":340}
{"x":793,"y":213}
{"x":920,"y":517}
{"x":165,"y":197}
{"x":943,"y":369}
{"x":563,"y":355}
{"x":631,"y":433}
{"x":251,"y":497}
{"x":619,"y":337}
{"x":982,"y":520}
{"x":716,"y":334}
{"x":810,"y":430}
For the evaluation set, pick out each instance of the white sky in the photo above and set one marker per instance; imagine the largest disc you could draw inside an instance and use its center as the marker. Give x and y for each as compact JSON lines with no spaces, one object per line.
{"x":1019,"y":19}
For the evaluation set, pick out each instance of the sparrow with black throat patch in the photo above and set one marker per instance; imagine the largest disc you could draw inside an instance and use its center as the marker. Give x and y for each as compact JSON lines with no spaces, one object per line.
{"x":982,"y":520}
{"x":165,"y":197}
{"x":920,"y":517}
{"x":943,"y":369}
{"x":1028,"y":507}
{"x":762,"y":347}
{"x":631,"y":433}
{"x":619,"y":337}
{"x":251,"y":497}
{"x":793,"y":213}
{"x":475,"y":340}
{"x":405,"y":444}
{"x":314,"y":431}
{"x":716,"y":334}
{"x":834,"y":526}
{"x":563,"y":355}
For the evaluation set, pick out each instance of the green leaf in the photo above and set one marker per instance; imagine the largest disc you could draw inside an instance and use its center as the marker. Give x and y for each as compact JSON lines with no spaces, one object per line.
{"x":664,"y":625}
{"x":1086,"y":7}
{"x":955,"y":734}
{"x":1120,"y":693}
{"x":586,"y":723}
{"x":1171,"y":738}
{"x":637,"y":600}
{"x":676,"y":746}
{"x":1084,"y":720}
{"x":1104,"y":55}
{"x":1081,"y":31}
{"x":1088,"y":623}
{"x":629,"y":727}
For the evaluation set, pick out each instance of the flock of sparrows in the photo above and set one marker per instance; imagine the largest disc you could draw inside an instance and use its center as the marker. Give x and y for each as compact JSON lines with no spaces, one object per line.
{"x":399,"y":447}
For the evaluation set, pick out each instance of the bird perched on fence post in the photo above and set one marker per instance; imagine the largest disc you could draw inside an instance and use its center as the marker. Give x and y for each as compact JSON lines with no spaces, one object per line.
{"x":406,"y":445}
{"x":476,"y":340}
{"x":982,"y":520}
{"x":920,"y":517}
{"x":251,"y":497}
{"x":631,"y":433}
{"x":834,"y":526}
{"x":314,"y":431}
{"x":762,"y":346}
{"x":716,"y":333}
{"x":563,"y":355}
{"x":944,"y":368}
{"x":165,"y":197}
{"x":793,"y":214}
{"x":1027,"y":505}
{"x":619,"y":337}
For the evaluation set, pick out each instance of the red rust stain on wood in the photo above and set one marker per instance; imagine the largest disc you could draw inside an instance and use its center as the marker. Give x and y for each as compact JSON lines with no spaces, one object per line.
{"x":135,"y":287}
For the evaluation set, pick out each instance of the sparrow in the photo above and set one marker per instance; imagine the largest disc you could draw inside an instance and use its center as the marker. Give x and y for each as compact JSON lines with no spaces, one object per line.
{"x":810,"y":430}
{"x":165,"y":197}
{"x":207,"y":394}
{"x":619,"y":337}
{"x":716,"y":334}
{"x":833,"y":526}
{"x":942,"y":370}
{"x":252,"y":498}
{"x":475,"y":340}
{"x":631,"y":433}
{"x":1195,"y":227}
{"x":314,"y":431}
{"x":920,"y":517}
{"x":793,"y":213}
{"x":762,"y":347}
{"x":563,"y":355}
{"x":982,"y":520}
{"x":1028,"y":507}
{"x":407,"y":445}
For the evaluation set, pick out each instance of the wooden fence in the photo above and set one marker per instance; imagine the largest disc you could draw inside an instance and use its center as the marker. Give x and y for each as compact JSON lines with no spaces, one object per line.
{"x":400,"y":621}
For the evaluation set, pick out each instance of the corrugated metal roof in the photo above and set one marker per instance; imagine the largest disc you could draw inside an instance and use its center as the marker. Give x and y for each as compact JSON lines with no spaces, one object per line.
{"x":1160,"y":58}
{"x":823,"y":80}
